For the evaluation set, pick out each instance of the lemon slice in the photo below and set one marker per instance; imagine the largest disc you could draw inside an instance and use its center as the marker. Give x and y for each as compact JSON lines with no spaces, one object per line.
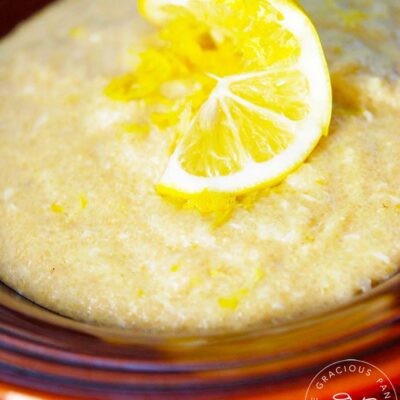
{"x":260,"y":123}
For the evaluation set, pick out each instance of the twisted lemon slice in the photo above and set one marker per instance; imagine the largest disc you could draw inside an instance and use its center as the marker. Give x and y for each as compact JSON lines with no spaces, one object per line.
{"x":265,"y":115}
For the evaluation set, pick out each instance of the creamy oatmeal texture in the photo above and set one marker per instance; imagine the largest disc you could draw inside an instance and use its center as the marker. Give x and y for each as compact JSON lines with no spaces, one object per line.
{"x":84,"y":233}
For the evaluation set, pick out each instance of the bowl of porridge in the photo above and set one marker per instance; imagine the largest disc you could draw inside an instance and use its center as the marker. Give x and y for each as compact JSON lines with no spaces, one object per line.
{"x":101,"y":273}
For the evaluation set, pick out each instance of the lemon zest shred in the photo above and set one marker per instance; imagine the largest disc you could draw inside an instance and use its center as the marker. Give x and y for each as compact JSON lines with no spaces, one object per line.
{"x":83,"y":201}
{"x":259,"y":275}
{"x":230,"y":303}
{"x":219,"y":206}
{"x":175,"y":268}
{"x":135,"y":128}
{"x":221,"y":217}
{"x":57,"y":208}
{"x":208,"y":202}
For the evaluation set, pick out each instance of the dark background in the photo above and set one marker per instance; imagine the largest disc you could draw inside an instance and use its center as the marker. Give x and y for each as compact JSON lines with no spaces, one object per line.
{"x":14,"y":11}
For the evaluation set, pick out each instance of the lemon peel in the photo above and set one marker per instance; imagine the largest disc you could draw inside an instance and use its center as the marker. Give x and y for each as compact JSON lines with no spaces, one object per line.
{"x":233,"y":302}
{"x":230,"y":303}
{"x":175,"y":268}
{"x":83,"y":201}
{"x":57,"y":208}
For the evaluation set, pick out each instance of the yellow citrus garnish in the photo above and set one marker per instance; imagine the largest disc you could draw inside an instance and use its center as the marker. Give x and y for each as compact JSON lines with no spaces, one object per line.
{"x":228,"y":302}
{"x":175,"y":268}
{"x":256,"y":78}
{"x":57,"y":208}
{"x":84,"y":201}
{"x":245,"y":87}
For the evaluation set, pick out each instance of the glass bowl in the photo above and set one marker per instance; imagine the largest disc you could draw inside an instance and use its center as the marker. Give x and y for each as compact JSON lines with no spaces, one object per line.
{"x":46,"y":356}
{"x":46,"y":353}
